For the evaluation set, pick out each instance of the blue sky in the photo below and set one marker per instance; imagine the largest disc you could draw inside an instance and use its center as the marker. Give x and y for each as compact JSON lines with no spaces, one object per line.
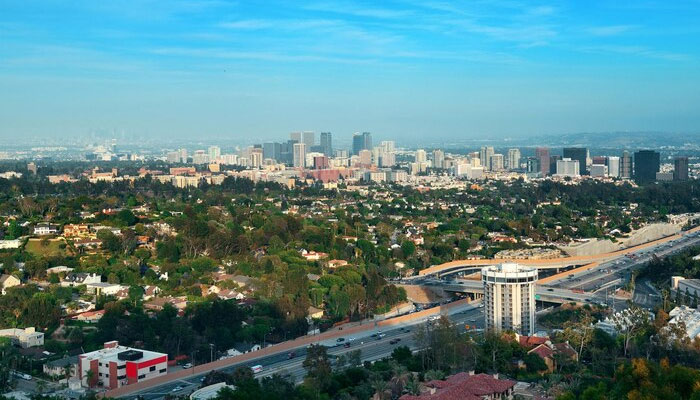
{"x":214,"y":68}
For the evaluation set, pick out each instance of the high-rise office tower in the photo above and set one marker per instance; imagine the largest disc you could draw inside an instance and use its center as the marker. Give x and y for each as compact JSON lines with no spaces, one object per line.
{"x":485,"y":156}
{"x":296,"y":136}
{"x":420,"y":156}
{"x":626,"y":165}
{"x":438,"y":159}
{"x":614,"y":167}
{"x":214,"y":153}
{"x":327,"y":143}
{"x":568,"y":167}
{"x":509,"y":298}
{"x":183,"y":155}
{"x":513,"y":158}
{"x":579,"y":154}
{"x":680,"y":169}
{"x":309,"y":139}
{"x":299,"y":150}
{"x":361,"y":141}
{"x":542,"y":153}
{"x":496,"y":162}
{"x":272,"y":151}
{"x":533,"y":165}
{"x":646,"y":165}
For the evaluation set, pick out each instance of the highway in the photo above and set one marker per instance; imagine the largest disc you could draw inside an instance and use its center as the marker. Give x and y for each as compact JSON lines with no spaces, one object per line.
{"x":281,"y":363}
{"x":457,"y":265}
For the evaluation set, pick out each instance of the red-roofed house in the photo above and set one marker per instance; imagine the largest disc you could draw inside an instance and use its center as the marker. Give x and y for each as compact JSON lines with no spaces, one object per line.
{"x":466,"y":386}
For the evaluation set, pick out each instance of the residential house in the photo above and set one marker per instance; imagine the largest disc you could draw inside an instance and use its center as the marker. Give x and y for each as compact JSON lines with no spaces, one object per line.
{"x":90,"y":316}
{"x":465,"y":386}
{"x":58,"y":368}
{"x":80,"y":278}
{"x":76,"y":231}
{"x":24,"y":338}
{"x":336,"y":263}
{"x":45,"y":228}
{"x":314,"y":313}
{"x":157,"y":304}
{"x":150,"y":291}
{"x":8,"y":281}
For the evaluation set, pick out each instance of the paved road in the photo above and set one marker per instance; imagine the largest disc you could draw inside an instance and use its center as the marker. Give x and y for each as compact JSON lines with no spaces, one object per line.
{"x":371,"y":349}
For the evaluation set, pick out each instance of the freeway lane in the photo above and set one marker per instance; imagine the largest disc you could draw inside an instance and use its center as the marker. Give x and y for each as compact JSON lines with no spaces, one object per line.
{"x":558,"y":262}
{"x":371,"y":349}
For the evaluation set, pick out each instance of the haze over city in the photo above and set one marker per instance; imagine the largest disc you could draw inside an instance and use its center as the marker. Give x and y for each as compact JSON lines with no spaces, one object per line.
{"x":401,"y":69}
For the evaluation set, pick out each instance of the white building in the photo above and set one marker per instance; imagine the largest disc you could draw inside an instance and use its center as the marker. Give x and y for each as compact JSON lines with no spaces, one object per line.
{"x":568,"y":167}
{"x":614,"y":167}
{"x":420,"y":156}
{"x":599,"y":171}
{"x":496,"y":162}
{"x":509,"y":297}
{"x":299,"y":155}
{"x":27,"y":337}
{"x":690,"y":317}
{"x":438,"y":158}
{"x":513,"y":158}
{"x":114,"y":366}
{"x":214,"y":153}
{"x":485,"y":157}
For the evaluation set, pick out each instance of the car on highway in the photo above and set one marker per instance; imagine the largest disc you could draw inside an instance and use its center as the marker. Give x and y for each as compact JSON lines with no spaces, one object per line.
{"x":340,"y":340}
{"x":187,"y":366}
{"x":291,"y":355}
{"x":177,"y":388}
{"x":550,"y":290}
{"x":256,"y":369}
{"x":394,"y":341}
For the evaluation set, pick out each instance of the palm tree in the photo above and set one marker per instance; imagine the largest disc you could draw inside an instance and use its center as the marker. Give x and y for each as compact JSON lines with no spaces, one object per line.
{"x":380,"y":387}
{"x":413,"y":386}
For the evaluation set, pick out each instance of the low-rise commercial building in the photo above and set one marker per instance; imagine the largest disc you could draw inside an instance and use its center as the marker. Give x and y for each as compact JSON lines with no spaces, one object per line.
{"x":24,"y":338}
{"x":115,"y":366}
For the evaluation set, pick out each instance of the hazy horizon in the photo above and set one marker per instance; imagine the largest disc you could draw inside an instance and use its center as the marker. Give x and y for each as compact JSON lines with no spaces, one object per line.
{"x":401,"y":69}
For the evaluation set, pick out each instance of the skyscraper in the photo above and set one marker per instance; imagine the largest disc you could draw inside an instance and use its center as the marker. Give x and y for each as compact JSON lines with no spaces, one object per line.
{"x":438,"y":158}
{"x":626,"y":165}
{"x":509,"y":298}
{"x":513,"y":158}
{"x":614,"y":167}
{"x":646,"y":165}
{"x":496,"y":162}
{"x":299,"y":155}
{"x":485,"y":156}
{"x":680,"y":169}
{"x":542,"y":153}
{"x":361,"y":141}
{"x":327,"y":143}
{"x":568,"y":167}
{"x":272,"y":150}
{"x":420,"y":156}
{"x":579,"y":154}
{"x":214,"y":153}
{"x":306,"y":137}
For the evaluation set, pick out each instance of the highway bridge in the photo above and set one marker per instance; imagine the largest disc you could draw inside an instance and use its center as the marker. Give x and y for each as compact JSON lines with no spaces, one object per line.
{"x":543,"y":293}
{"x":457,"y":266}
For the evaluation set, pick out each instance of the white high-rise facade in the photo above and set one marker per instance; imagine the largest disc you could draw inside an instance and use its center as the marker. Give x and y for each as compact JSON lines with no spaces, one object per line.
{"x":438,"y":158}
{"x":509,"y":298}
{"x":485,"y":157}
{"x":420,"y":156}
{"x":614,"y":167}
{"x":496,"y":162}
{"x":568,"y":167}
{"x":513,"y":158}
{"x":299,"y":155}
{"x":214,"y":153}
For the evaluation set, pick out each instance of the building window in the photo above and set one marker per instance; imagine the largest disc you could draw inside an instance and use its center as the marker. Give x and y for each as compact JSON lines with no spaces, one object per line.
{"x":142,"y":376}
{"x":153,"y":368}
{"x":162,"y":371}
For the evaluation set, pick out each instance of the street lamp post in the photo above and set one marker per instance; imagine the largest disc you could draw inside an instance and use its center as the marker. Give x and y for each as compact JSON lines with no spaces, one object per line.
{"x":211,"y":352}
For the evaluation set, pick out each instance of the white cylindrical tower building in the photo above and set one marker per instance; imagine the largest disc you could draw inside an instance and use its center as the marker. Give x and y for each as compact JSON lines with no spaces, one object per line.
{"x":509,"y":297}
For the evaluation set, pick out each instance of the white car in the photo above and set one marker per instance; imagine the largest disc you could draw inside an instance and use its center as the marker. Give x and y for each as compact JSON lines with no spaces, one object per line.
{"x":177,"y":388}
{"x":186,"y":366}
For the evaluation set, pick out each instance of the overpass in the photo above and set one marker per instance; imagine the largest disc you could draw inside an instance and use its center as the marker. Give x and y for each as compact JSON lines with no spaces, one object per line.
{"x":543,"y":293}
{"x":456,"y":266}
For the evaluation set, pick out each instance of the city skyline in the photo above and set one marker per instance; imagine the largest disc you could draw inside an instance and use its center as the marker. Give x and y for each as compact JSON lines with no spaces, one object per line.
{"x":223,"y":70}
